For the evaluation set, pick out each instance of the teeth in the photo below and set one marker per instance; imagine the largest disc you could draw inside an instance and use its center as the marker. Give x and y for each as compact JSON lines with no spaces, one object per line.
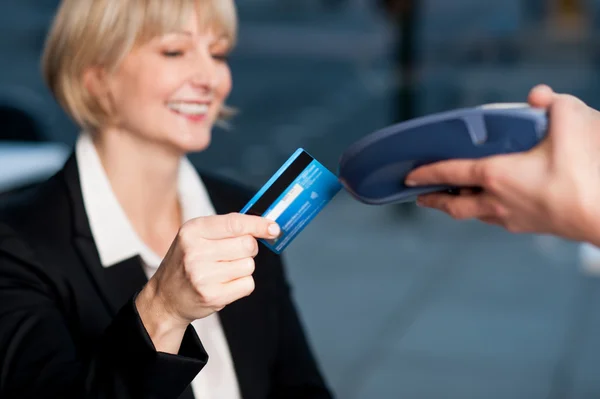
{"x":189,"y":108}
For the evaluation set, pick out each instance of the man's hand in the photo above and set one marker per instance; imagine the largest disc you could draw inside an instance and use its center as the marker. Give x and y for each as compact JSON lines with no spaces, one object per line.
{"x":553,"y":188}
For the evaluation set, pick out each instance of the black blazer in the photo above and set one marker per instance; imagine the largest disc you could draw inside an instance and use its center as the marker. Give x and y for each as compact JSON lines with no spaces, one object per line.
{"x":69,"y":327}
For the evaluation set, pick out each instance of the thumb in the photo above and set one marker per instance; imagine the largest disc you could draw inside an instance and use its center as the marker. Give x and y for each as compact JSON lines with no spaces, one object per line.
{"x":541,"y":96}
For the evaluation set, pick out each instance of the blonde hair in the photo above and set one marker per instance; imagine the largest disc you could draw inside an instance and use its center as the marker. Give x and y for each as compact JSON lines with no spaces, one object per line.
{"x":89,"y":33}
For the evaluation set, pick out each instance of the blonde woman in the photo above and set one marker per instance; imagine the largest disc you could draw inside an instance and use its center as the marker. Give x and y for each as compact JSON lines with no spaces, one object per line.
{"x":128,"y":274}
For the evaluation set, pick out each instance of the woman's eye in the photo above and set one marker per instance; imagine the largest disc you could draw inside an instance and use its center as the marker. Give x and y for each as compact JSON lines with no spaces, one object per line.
{"x":172,"y":54}
{"x":221,"y":57}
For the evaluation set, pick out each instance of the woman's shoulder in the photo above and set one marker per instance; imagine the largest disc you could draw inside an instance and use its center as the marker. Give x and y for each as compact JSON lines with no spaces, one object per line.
{"x":33,"y":221}
{"x":37,"y":211}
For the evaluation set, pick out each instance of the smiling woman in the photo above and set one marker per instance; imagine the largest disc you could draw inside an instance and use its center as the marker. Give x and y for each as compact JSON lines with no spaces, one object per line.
{"x":127,"y":269}
{"x":115,"y":29}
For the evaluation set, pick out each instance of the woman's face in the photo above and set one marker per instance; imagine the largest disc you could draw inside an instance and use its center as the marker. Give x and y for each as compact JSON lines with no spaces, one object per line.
{"x":170,"y":90}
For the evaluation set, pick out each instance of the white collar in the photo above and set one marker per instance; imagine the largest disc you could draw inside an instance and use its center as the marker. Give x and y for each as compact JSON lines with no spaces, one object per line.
{"x":113,"y":233}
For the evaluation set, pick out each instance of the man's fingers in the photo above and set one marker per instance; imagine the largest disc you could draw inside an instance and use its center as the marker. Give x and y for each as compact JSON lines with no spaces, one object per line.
{"x":460,"y":172}
{"x":491,"y":220}
{"x":541,"y":96}
{"x":459,"y":207}
{"x":234,"y":225}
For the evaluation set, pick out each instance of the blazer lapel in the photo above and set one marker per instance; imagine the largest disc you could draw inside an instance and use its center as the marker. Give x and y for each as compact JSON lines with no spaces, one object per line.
{"x":117,"y":283}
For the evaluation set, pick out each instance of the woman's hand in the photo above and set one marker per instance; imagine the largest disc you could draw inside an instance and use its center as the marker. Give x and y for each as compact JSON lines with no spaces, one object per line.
{"x":553,"y":188}
{"x":208,"y":266}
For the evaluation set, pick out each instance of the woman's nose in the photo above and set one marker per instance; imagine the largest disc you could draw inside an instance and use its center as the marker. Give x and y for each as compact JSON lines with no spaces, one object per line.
{"x":205,"y":75}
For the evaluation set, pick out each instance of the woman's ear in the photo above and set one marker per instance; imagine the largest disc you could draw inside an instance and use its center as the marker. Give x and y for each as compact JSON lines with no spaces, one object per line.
{"x":96,"y":82}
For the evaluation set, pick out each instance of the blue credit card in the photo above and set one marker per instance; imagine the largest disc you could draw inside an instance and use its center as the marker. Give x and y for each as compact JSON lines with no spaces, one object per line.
{"x":292,"y":198}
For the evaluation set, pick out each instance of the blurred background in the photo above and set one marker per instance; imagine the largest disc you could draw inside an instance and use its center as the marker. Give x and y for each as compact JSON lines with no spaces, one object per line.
{"x":399,"y":302}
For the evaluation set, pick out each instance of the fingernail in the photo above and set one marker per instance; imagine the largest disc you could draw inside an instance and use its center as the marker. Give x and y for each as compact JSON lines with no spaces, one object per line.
{"x":410,"y":183}
{"x":274,"y":229}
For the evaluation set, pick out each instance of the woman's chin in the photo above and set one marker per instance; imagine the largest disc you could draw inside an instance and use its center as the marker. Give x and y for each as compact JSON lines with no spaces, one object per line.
{"x":194,"y":142}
